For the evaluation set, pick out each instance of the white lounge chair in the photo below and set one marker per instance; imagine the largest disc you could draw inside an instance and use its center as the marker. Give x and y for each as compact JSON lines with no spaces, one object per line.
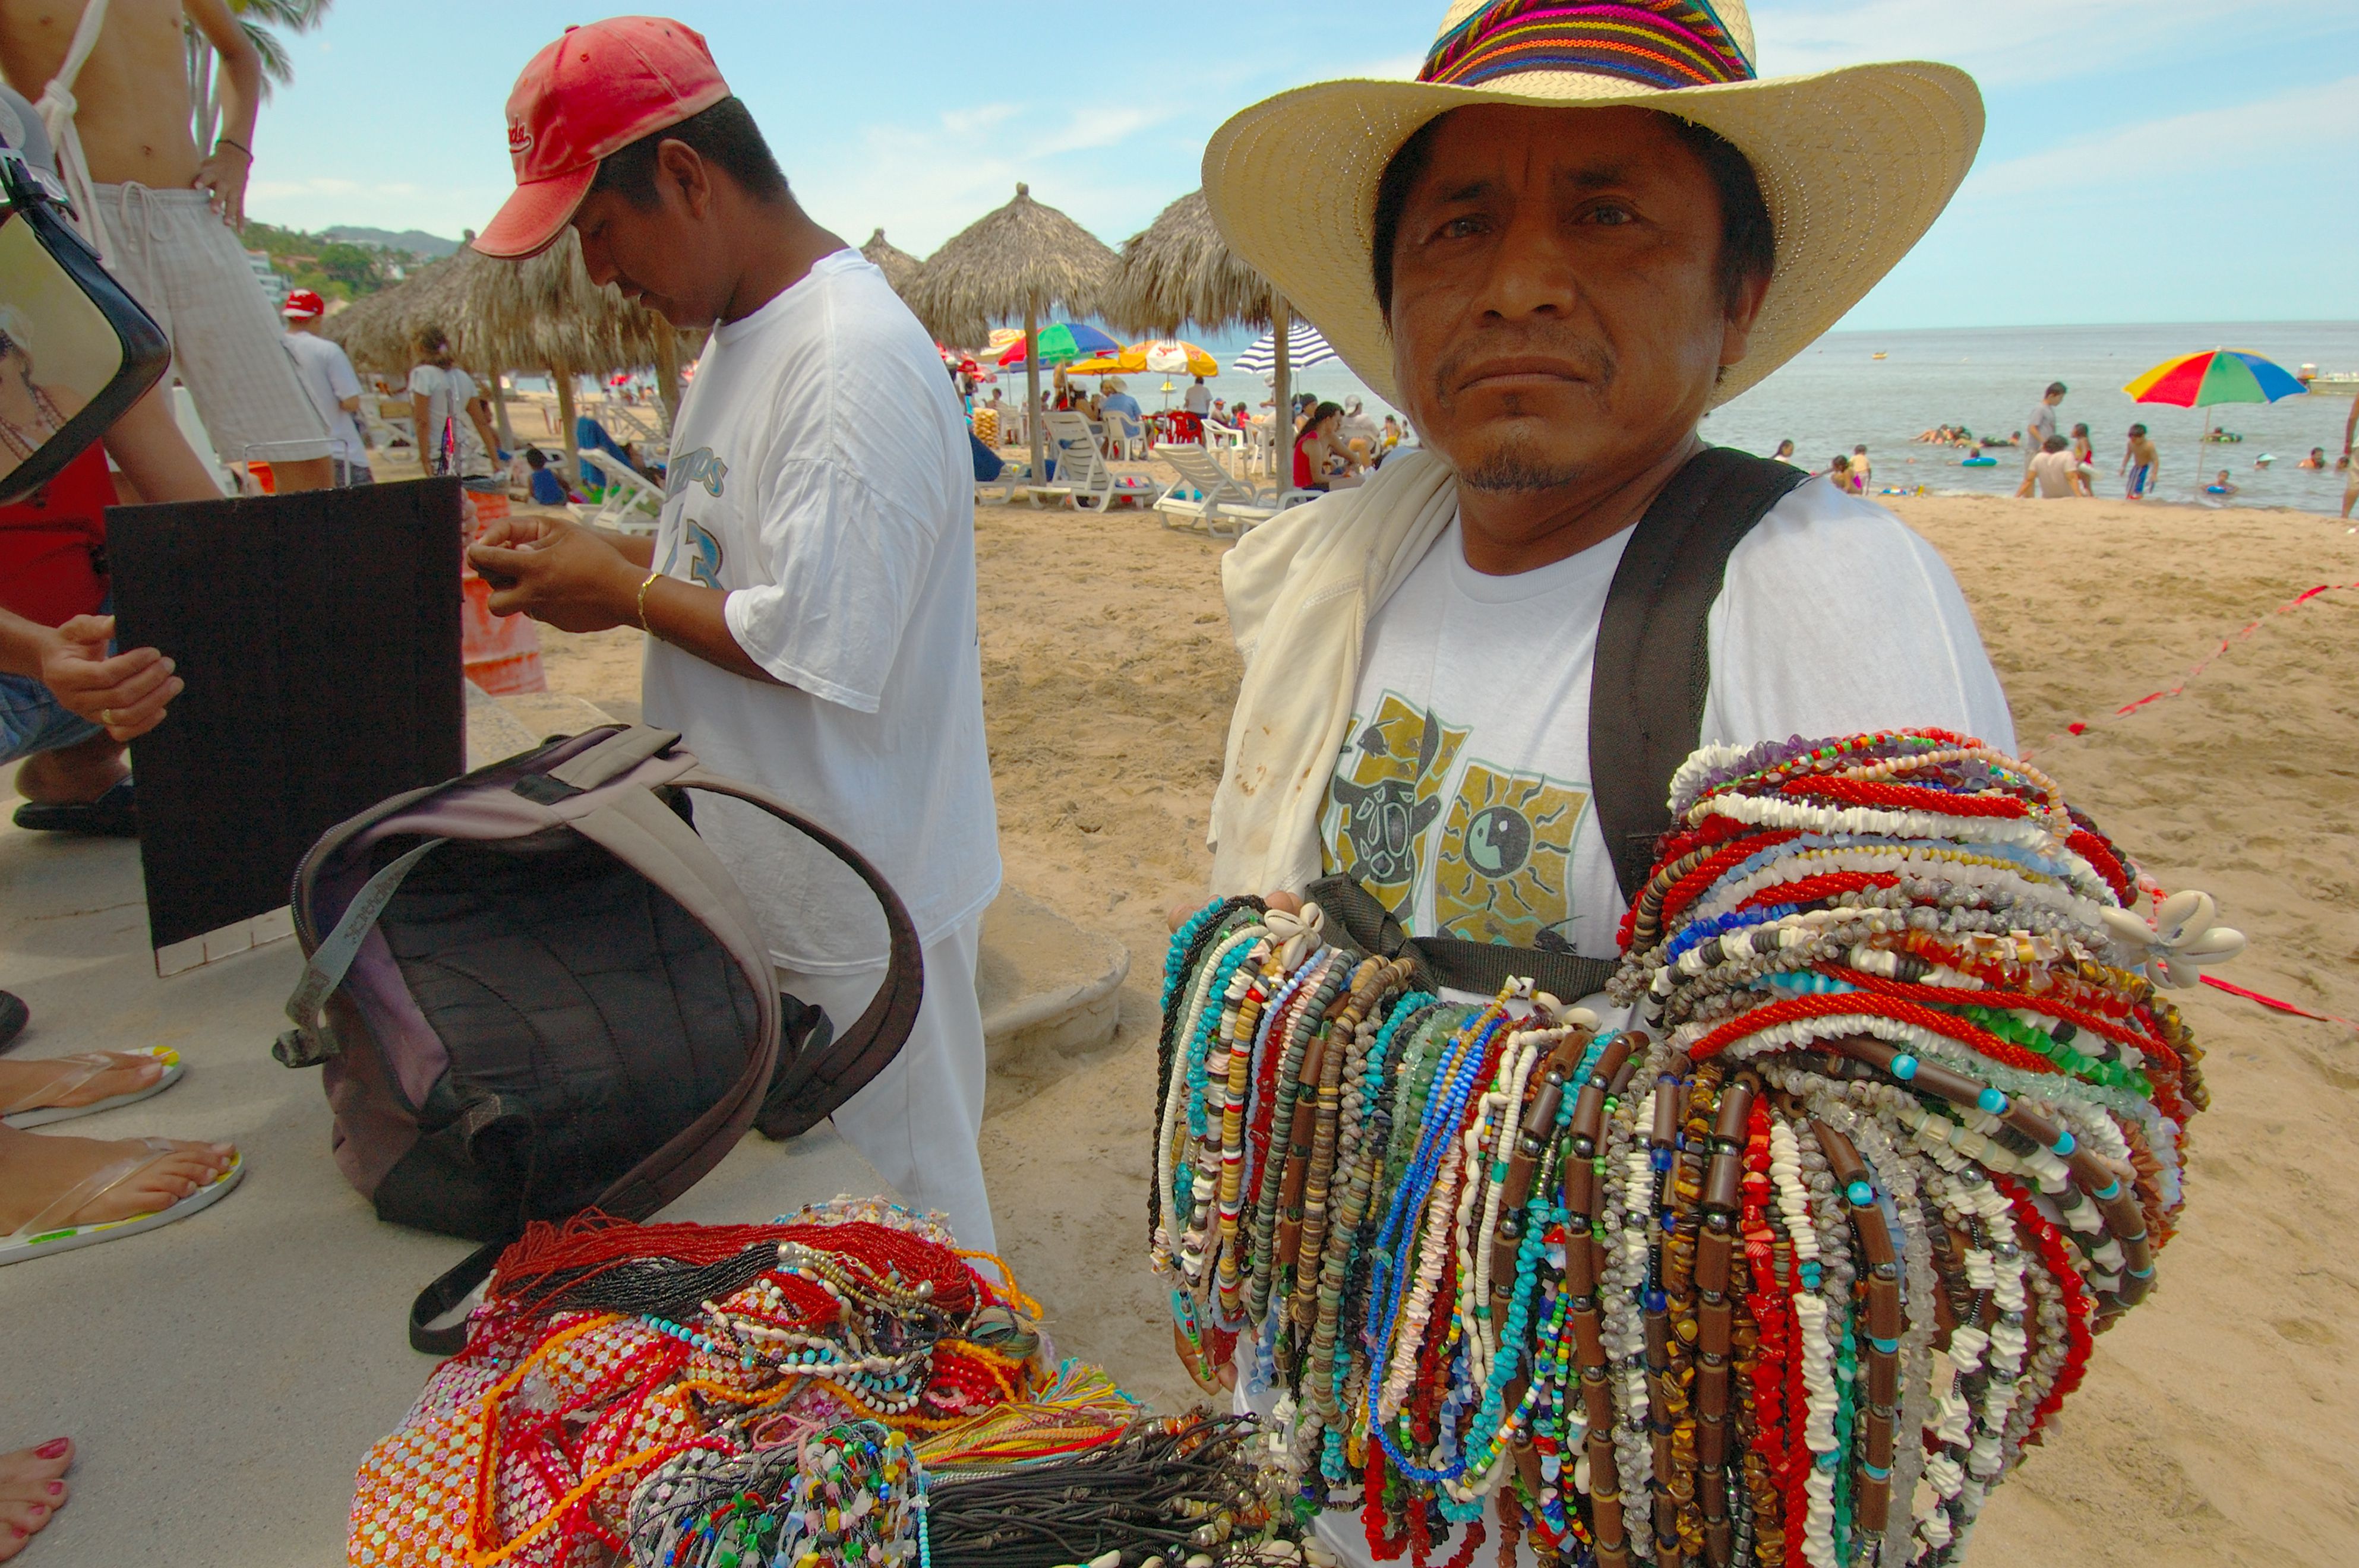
{"x":1224,"y":506}
{"x":631,"y":503}
{"x":1083,"y":476}
{"x":1126,"y":437}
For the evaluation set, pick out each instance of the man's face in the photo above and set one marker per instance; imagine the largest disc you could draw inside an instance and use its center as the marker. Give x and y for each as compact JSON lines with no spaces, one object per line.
{"x":659,"y":255}
{"x":1556,"y":313}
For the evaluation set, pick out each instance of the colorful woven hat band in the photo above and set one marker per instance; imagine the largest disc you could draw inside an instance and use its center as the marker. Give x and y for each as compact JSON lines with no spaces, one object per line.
{"x":1656,"y":43}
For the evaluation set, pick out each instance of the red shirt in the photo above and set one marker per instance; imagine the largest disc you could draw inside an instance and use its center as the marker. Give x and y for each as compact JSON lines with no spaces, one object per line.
{"x":52,"y":543}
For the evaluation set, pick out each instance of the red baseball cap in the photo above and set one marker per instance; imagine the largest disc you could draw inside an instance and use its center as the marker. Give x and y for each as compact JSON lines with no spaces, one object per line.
{"x":302,"y":305}
{"x":599,"y":88}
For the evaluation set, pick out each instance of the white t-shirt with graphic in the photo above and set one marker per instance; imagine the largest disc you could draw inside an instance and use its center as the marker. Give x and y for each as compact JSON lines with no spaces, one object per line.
{"x":819,"y":472}
{"x":1461,"y":797}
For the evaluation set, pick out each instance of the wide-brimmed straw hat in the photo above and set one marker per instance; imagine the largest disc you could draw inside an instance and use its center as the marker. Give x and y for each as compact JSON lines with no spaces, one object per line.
{"x":1855,"y":164}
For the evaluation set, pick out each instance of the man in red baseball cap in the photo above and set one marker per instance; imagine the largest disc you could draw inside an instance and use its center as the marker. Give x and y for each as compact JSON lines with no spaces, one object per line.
{"x":808,"y":597}
{"x":327,"y":377}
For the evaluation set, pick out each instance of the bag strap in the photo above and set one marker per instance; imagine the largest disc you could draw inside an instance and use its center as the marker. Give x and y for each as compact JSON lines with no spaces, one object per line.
{"x":309,"y":1044}
{"x":807,"y":1090}
{"x":443,"y":1297}
{"x":1479,"y":966}
{"x":1653,"y":666}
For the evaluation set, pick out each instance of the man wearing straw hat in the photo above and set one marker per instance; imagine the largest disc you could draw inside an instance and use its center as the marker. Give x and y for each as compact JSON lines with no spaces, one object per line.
{"x":1581,"y":229}
{"x":808,"y":597}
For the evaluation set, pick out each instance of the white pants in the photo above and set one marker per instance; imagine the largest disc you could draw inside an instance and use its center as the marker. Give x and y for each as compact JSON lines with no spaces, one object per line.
{"x":917,"y":1120}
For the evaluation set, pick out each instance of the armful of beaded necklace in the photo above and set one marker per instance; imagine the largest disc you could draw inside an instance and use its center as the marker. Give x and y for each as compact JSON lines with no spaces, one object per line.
{"x":1578,"y":1189}
{"x":1874,"y":1499}
{"x":1715,"y":1251}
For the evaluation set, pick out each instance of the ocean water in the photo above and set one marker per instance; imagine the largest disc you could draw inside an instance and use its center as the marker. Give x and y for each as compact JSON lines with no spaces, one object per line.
{"x":1835,"y":394}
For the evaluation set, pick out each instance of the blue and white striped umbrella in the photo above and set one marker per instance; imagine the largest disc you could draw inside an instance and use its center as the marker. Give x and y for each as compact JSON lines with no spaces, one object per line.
{"x":1304,"y":348}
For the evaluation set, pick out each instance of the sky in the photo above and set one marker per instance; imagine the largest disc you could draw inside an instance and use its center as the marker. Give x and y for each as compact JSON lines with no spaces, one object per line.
{"x":2165,"y":160}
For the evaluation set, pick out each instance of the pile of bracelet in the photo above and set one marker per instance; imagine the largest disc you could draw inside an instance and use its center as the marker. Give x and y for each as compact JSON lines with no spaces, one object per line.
{"x":1786,"y":1271}
{"x":797,"y":1394}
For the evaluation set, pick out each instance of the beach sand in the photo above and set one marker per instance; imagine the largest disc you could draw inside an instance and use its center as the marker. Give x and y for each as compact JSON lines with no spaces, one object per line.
{"x":2214,"y":1427}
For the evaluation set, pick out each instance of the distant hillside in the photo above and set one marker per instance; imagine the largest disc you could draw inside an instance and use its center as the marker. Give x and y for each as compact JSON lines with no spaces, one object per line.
{"x":416,"y":242}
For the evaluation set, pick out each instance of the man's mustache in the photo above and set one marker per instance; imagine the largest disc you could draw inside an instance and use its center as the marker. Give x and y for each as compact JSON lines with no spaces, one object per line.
{"x":1580,"y":355}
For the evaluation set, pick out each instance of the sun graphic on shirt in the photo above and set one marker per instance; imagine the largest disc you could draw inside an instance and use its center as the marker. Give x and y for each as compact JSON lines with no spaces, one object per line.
{"x":1504,"y":873}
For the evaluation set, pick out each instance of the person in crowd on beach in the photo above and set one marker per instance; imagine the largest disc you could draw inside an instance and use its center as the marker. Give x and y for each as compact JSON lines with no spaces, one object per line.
{"x":2053,"y":473}
{"x":1356,"y":426}
{"x":453,"y":418}
{"x":1321,"y":456}
{"x":1391,"y":435}
{"x":69,"y":704}
{"x":548,"y":488}
{"x":1784,"y":453}
{"x":2042,"y":423}
{"x":2141,"y":464}
{"x":328,"y":379}
{"x":1197,"y":399}
{"x":808,"y":597}
{"x":1861,"y":470}
{"x":1555,"y":295}
{"x":2085,"y":451}
{"x":2221,"y":485}
{"x":1113,"y":395}
{"x":111,"y":82}
{"x":1838,"y":472}
{"x":2350,"y":484}
{"x":2317,"y":459}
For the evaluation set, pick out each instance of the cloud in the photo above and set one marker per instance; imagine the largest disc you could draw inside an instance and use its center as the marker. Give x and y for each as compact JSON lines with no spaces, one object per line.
{"x":2005,"y":43}
{"x":2239,"y":136}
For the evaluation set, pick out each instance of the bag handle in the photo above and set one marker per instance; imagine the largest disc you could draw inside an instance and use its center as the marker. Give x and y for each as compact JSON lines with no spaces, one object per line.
{"x":310,"y":1043}
{"x":443,"y":1297}
{"x":809,"y":1088}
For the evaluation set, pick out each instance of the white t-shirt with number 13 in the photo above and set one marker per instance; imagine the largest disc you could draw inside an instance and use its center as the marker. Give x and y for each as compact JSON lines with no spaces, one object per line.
{"x":819,"y":472}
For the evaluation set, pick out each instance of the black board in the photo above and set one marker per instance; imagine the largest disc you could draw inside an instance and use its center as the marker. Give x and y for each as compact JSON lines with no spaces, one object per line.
{"x":319,"y":635}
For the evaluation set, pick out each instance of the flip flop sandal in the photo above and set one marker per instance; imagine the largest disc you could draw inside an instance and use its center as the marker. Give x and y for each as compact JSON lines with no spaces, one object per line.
{"x":13,"y":1016}
{"x":115,"y":815}
{"x":78,"y":1070}
{"x":42,"y":1235}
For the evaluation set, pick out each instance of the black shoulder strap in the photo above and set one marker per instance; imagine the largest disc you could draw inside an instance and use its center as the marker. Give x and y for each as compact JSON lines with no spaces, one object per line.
{"x":1654,"y":656}
{"x":1437,"y":961}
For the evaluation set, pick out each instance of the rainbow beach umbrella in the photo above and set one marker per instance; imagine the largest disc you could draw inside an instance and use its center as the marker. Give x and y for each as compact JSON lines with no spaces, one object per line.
{"x":2215,"y":375}
{"x":2211,"y":377}
{"x":1062,"y":342}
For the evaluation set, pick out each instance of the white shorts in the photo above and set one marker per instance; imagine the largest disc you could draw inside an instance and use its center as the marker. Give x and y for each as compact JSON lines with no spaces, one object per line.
{"x":173,"y":254}
{"x":917,"y":1120}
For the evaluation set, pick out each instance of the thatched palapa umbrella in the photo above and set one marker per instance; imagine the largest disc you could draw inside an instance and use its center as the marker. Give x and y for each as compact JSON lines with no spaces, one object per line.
{"x":1020,"y":263}
{"x":1180,"y":269}
{"x":899,"y":267}
{"x":545,"y":313}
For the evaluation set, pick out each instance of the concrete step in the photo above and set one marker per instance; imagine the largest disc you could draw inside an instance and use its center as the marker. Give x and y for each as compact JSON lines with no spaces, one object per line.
{"x":1045,"y":983}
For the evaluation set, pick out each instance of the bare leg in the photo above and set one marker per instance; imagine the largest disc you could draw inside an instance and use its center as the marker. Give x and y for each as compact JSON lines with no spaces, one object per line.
{"x":148,"y":446}
{"x":311,"y":473}
{"x":35,"y":1170}
{"x":32,"y":1489}
{"x":22,"y":1083}
{"x":72,"y":775}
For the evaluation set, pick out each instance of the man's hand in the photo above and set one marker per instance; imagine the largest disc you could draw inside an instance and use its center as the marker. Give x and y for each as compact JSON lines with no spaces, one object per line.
{"x":564,"y":574}
{"x":223,"y":177}
{"x":125,"y":694}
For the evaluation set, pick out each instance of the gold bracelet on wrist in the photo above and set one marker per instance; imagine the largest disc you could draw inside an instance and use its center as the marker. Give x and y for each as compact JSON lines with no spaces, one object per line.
{"x":643,"y":603}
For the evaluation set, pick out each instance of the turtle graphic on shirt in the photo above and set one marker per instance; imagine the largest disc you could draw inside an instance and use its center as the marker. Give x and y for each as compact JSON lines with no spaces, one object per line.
{"x":1386,"y":795}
